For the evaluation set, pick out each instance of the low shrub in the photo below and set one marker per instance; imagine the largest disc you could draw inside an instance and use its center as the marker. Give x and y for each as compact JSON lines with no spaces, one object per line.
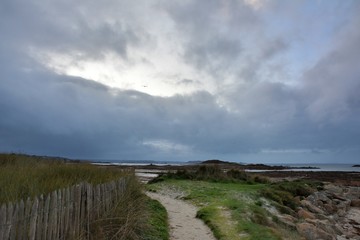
{"x":285,"y":193}
{"x":212,"y":173}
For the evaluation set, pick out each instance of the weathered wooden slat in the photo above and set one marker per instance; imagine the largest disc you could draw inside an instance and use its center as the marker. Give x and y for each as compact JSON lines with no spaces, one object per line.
{"x":77,"y":209}
{"x":97,"y":198}
{"x":83,"y":209}
{"x":27,"y":216}
{"x":33,"y":219}
{"x":63,"y":214}
{"x":9,"y":216}
{"x":53,"y":216}
{"x":3,"y":214}
{"x":40,"y":218}
{"x":14,"y":222}
{"x":67,"y":215}
{"x":72,"y":228}
{"x":46,"y":217}
{"x":88,"y":208}
{"x":21,"y":221}
{"x":58,"y":213}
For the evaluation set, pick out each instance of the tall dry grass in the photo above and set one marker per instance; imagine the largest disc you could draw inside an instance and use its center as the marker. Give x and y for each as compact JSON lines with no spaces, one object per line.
{"x":23,"y":176}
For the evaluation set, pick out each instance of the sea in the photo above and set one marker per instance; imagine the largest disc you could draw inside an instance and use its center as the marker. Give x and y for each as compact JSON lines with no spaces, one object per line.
{"x":325,"y":167}
{"x":293,"y":167}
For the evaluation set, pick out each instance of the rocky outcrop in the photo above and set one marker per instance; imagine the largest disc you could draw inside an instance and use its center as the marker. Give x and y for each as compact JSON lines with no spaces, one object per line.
{"x":333,"y":213}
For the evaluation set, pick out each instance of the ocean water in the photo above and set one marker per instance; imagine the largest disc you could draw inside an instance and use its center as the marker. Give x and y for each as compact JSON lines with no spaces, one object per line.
{"x":319,"y":167}
{"x":326,"y":167}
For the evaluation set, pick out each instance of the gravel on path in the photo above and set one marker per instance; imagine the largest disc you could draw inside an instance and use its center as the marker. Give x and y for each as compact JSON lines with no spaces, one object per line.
{"x":182,"y":219}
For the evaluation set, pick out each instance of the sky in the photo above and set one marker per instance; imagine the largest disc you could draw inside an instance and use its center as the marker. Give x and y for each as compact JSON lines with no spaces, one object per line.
{"x":264,"y":81}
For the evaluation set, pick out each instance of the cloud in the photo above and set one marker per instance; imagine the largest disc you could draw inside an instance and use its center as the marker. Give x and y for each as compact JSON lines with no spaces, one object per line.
{"x":217,"y":74}
{"x":332,"y":85}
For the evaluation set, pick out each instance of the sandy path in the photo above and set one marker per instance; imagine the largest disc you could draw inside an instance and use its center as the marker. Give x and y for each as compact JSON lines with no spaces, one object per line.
{"x":182,"y":221}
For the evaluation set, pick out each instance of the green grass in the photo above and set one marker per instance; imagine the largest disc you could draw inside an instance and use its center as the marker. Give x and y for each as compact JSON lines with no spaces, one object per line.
{"x":212,"y":173}
{"x":288,"y":194}
{"x":233,"y":210}
{"x":157,"y":221}
{"x":24,"y":176}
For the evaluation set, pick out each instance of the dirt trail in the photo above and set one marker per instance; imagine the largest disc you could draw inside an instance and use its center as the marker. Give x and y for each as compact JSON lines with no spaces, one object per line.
{"x":183,"y":223}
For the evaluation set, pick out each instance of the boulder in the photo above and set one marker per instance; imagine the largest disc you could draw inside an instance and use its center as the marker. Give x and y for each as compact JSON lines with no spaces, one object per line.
{"x":311,"y":232}
{"x":302,"y":213}
{"x":311,"y":207}
{"x":287,"y":220}
{"x":343,"y":205}
{"x":326,"y":226}
{"x":330,"y":208}
{"x":318,"y":196}
{"x":353,"y":216}
{"x":333,"y":189}
{"x":355,"y":203}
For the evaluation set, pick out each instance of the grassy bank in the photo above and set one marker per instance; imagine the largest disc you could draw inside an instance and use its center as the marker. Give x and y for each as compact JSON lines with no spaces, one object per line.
{"x":237,"y":205}
{"x":134,"y":216}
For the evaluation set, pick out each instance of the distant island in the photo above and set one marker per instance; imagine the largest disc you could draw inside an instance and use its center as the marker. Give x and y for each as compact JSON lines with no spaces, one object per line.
{"x":254,"y":166}
{"x":357,"y":165}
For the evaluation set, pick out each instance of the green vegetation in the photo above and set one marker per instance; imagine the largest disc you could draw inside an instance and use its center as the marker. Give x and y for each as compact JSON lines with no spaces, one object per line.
{"x":288,"y":194}
{"x":212,"y":173}
{"x":157,"y":221}
{"x":134,"y":217}
{"x":24,"y":176}
{"x":235,"y":205}
{"x":231,"y":210}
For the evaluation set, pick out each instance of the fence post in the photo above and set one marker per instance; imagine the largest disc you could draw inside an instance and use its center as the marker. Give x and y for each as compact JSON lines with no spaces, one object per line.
{"x":89,"y":199}
{"x":33,"y":218}
{"x":62,"y":214}
{"x":14,"y":222}
{"x":46,"y":217}
{"x":40,"y":218}
{"x":2,"y":221}
{"x":9,"y":216}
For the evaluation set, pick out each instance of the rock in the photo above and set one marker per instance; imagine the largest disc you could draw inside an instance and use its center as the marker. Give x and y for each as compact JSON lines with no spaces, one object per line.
{"x":311,"y":232}
{"x":353,"y":216}
{"x":333,"y":189}
{"x":305,"y":214}
{"x":355,"y":203}
{"x":287,"y":220}
{"x":325,"y":225}
{"x":341,"y":237}
{"x":352,"y":193}
{"x":311,"y":207}
{"x":343,"y":205}
{"x":318,"y":196}
{"x":330,"y":208}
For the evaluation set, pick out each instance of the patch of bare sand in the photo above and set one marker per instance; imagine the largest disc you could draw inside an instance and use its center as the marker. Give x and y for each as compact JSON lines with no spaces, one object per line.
{"x":182,"y":219}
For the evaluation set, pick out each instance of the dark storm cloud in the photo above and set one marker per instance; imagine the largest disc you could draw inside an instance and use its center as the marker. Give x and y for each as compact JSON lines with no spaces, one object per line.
{"x":224,"y":37}
{"x":46,"y":113}
{"x":88,"y":29}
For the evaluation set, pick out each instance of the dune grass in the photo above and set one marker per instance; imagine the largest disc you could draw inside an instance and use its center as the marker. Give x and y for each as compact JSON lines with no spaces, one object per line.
{"x":23,"y":176}
{"x":135,"y":216}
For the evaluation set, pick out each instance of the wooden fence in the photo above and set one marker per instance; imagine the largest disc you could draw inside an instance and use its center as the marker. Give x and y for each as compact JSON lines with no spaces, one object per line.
{"x":62,"y":214}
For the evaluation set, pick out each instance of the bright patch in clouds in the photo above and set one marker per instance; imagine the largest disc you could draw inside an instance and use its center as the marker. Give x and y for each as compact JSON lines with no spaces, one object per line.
{"x":160,"y":73}
{"x":256,"y":4}
{"x":167,"y":146}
